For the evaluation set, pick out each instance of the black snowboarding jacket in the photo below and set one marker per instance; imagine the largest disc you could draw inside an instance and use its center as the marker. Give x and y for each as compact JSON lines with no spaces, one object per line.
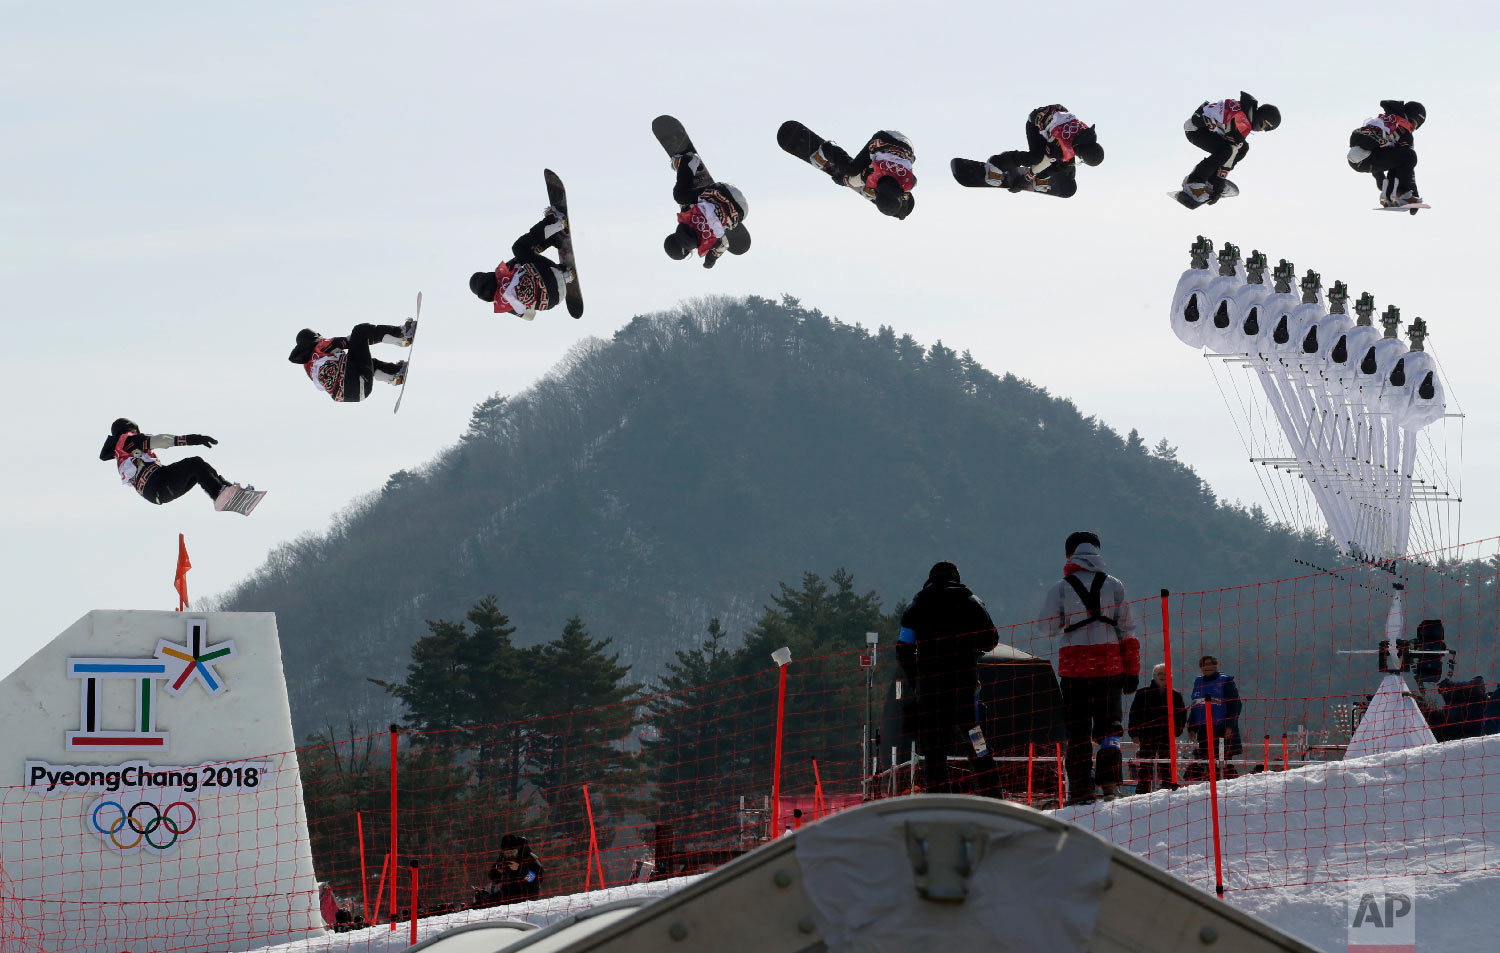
{"x":1148,"y":716}
{"x":523,"y":883}
{"x":943,"y":632}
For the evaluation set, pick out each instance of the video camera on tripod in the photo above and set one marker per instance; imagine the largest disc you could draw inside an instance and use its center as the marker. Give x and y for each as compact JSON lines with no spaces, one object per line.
{"x":1422,"y":656}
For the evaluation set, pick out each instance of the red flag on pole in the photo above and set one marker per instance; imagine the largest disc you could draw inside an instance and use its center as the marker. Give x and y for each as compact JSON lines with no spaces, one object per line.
{"x":183,"y":565}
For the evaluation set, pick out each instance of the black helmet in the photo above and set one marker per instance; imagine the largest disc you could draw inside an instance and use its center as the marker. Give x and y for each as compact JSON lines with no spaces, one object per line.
{"x":1091,"y":153}
{"x":1416,"y":113}
{"x":1265,"y":118}
{"x":888,"y":196}
{"x":307,"y":339}
{"x":484,"y":284}
{"x":1086,"y":147}
{"x":121,"y":426}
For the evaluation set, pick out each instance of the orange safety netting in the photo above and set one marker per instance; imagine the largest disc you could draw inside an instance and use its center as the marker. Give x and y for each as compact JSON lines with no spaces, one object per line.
{"x":683,"y":782}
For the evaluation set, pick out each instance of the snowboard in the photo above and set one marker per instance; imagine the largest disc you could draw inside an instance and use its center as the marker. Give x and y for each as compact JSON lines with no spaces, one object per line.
{"x":674,"y":138}
{"x":800,"y":141}
{"x":557,"y":197}
{"x":406,"y":374}
{"x":1403,"y":208}
{"x":245,"y":499}
{"x":1185,"y":200}
{"x":973,"y":174}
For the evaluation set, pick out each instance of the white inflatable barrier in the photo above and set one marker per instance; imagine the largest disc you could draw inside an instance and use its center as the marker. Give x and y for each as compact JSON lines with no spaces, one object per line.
{"x":963,"y":873}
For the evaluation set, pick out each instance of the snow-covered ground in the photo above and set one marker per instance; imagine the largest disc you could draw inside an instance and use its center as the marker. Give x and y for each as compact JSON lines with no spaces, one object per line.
{"x":1294,"y":845}
{"x":382,"y":938}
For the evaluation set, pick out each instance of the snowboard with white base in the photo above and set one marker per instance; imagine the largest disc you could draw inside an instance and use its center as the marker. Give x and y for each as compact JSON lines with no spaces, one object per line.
{"x":238,"y":499}
{"x":1412,"y":208}
{"x":1182,"y":198}
{"x":406,"y":364}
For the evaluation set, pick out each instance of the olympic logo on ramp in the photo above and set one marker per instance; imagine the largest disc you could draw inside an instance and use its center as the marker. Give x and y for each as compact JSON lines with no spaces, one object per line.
{"x":137,"y":828}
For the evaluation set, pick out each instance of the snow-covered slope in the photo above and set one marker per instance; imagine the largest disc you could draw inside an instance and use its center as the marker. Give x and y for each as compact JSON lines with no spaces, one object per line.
{"x":1294,"y":844}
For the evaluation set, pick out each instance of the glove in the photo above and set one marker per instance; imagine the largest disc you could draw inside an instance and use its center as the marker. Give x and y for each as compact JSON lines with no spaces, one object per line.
{"x":1129,"y":683}
{"x":198,"y":440}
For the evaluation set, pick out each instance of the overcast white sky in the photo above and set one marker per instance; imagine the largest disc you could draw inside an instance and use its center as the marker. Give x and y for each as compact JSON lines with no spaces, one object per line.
{"x":186,"y":185}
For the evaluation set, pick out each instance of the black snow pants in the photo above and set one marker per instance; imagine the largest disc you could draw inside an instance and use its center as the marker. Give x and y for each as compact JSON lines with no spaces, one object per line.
{"x":360,"y":365}
{"x":1220,"y":151}
{"x":1153,"y":767}
{"x":945,"y":717}
{"x":169,"y":482}
{"x":1394,"y":168}
{"x":1091,"y":711}
{"x":1059,"y":179}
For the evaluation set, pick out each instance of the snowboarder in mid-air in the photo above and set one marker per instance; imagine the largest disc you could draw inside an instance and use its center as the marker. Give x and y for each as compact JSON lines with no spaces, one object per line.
{"x":881,"y":170}
{"x":343,"y":367}
{"x":1054,"y":139}
{"x":712,"y":214}
{"x":1383,"y":147}
{"x":1221,"y":129}
{"x":529,"y":282}
{"x":135,"y":457}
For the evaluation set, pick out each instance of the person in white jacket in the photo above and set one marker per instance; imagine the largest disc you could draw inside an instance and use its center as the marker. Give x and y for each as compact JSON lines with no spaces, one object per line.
{"x":1098,"y":662}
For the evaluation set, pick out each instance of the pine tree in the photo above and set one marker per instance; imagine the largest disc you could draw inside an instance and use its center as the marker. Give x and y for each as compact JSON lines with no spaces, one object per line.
{"x":582,"y":692}
{"x":825,"y":629}
{"x":504,"y":689}
{"x":693,"y":751}
{"x":438,"y":692}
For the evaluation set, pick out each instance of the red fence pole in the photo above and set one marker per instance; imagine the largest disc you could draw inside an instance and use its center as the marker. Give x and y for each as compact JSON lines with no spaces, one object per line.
{"x":1283,"y":751}
{"x":1030,"y":760}
{"x":1060,"y":798}
{"x":781,"y":657}
{"x":1213,"y":794}
{"x":393,"y":855}
{"x":380,"y":892}
{"x":413,"y":901}
{"x":1166,"y":648}
{"x":817,"y":791}
{"x":364,"y":878}
{"x":593,"y":857}
{"x":1265,"y":765}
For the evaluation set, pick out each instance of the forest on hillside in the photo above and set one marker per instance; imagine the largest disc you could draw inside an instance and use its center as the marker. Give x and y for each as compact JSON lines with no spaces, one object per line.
{"x":676,"y":472}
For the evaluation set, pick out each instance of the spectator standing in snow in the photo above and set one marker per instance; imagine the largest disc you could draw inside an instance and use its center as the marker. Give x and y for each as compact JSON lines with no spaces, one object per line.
{"x":943,"y":632}
{"x":1148,"y":729}
{"x":328,"y":905}
{"x":1212,"y":688}
{"x":1099,"y":660}
{"x":1463,"y":711}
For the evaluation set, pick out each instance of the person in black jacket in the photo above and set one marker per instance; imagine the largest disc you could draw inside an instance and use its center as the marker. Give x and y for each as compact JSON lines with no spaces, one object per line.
{"x":1148,"y":729}
{"x":1463,"y":711}
{"x":1054,"y":138}
{"x":134,"y":456}
{"x":1222,"y":129}
{"x":943,"y":632}
{"x":1385,"y":148}
{"x":516,"y":874}
{"x":882,"y":170}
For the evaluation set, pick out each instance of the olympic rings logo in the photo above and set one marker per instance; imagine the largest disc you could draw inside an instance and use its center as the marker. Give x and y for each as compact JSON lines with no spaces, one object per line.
{"x":144,"y":829}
